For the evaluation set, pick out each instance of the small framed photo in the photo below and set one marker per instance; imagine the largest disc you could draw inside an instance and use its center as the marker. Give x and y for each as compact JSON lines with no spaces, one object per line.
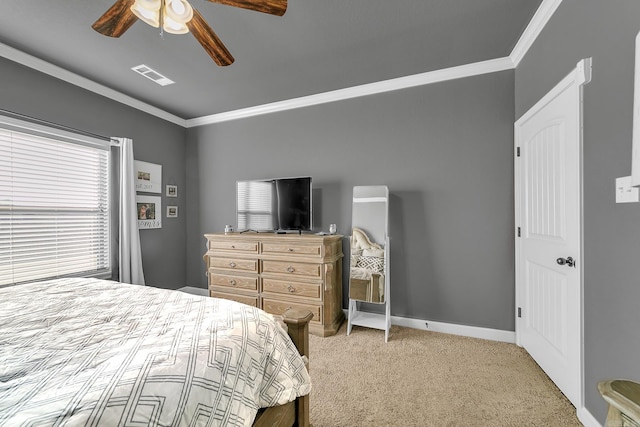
{"x":172,"y":212}
{"x":172,"y":191}
{"x":149,"y":212}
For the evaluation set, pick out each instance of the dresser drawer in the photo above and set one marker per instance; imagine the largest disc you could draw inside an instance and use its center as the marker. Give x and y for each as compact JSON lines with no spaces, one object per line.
{"x":235,"y":282}
{"x":248,"y":300}
{"x":250,"y":265}
{"x":230,"y":245}
{"x":307,"y":290}
{"x":279,"y":307}
{"x":283,"y":248}
{"x":292,"y":268}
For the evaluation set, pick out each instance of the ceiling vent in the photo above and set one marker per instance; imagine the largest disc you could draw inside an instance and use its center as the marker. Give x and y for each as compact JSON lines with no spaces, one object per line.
{"x":152,"y":75}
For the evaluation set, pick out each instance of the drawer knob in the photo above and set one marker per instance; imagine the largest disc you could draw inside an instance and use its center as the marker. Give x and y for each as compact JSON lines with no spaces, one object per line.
{"x":232,"y":264}
{"x":232,"y":282}
{"x":291,"y":288}
{"x":233,"y":246}
{"x":290,"y":249}
{"x":291,"y":269}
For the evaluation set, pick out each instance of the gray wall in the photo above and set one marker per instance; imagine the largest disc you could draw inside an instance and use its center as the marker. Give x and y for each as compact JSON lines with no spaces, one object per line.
{"x":604,"y":30}
{"x":32,"y":93}
{"x":444,"y":151}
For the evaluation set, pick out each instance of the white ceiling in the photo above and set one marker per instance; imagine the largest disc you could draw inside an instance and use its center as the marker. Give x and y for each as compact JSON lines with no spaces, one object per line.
{"x":317,"y":46}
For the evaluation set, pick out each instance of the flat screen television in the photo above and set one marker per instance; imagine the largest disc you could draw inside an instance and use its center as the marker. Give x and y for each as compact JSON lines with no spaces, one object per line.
{"x":282,"y":204}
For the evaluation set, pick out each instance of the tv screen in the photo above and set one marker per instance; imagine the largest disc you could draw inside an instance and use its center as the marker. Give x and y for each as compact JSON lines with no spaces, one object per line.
{"x":274,"y":204}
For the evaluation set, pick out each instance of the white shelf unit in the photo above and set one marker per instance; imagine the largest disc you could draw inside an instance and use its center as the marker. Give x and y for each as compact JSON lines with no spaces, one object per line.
{"x":376,"y":197}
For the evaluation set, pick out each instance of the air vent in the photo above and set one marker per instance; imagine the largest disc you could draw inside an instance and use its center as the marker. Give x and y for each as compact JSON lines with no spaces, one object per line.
{"x":152,"y":75}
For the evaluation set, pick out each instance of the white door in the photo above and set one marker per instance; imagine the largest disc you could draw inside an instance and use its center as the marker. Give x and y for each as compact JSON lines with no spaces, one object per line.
{"x":548,"y":233}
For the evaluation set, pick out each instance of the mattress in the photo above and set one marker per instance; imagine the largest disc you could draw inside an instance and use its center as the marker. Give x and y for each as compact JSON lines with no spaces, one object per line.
{"x":92,"y":352}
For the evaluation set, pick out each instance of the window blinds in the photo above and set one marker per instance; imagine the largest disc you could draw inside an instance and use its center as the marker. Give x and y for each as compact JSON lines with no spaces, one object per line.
{"x":54,"y":207}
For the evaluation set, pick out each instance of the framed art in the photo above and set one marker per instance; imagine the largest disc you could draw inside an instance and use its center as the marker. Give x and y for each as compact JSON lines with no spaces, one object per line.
{"x":148,"y":177}
{"x":172,"y":212}
{"x":171,"y":190}
{"x":149,"y":212}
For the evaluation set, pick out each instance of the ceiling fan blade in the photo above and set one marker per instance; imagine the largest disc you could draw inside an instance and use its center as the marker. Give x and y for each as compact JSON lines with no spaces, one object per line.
{"x":272,"y":7}
{"x":209,"y":40}
{"x":115,"y":21}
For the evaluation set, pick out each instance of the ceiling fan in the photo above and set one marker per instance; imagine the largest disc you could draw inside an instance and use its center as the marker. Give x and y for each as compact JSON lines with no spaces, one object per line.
{"x":179,"y":17}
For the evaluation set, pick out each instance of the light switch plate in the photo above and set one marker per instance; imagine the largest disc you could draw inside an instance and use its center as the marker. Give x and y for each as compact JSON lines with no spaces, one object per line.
{"x":625,"y":193}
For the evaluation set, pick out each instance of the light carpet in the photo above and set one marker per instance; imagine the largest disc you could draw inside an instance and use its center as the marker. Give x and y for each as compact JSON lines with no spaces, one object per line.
{"x":423,"y":378}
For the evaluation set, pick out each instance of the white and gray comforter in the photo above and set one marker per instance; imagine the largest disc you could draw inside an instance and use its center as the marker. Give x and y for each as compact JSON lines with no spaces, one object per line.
{"x":89,"y":352}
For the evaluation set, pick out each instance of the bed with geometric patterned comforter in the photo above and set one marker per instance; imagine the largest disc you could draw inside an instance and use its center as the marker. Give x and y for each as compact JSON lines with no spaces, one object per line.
{"x":90,"y":352}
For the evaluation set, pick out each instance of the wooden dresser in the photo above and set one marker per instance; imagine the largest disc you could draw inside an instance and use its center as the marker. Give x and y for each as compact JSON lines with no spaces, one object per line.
{"x":276,"y":272}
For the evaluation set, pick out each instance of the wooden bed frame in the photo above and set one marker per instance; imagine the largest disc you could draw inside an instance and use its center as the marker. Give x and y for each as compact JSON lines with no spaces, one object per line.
{"x":294,"y":413}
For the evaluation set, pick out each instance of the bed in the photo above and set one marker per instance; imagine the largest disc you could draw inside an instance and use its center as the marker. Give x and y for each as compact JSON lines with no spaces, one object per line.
{"x":94,"y":352}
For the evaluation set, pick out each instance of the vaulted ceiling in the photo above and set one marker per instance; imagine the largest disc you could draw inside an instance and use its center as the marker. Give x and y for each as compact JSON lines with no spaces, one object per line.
{"x":317,"y":46}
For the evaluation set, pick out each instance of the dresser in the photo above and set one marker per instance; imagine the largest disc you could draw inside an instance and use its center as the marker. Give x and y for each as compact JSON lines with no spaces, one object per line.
{"x":276,"y":272}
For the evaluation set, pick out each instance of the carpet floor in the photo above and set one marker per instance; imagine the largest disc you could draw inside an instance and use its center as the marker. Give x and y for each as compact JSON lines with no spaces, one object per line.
{"x":423,"y":378}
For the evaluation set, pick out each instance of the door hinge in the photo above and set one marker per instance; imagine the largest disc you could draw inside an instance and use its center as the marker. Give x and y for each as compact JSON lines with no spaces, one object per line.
{"x":519,"y":312}
{"x":518,"y":151}
{"x":519,"y":232}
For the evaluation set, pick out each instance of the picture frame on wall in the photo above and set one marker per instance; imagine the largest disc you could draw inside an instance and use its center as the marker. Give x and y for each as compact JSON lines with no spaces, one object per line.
{"x":149,"y":212}
{"x":148,"y":177}
{"x":172,"y":212}
{"x":171,"y":191}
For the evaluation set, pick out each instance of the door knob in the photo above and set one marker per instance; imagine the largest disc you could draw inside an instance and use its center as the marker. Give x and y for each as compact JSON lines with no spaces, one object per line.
{"x":569,"y":261}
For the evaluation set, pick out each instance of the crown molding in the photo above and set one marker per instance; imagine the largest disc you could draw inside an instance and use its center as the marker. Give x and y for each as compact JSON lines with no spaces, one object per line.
{"x":38,"y":64}
{"x":532,"y":31}
{"x":534,"y":28}
{"x":445,"y":74}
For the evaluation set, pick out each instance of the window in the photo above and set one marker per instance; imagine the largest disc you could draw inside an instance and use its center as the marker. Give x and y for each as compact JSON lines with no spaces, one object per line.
{"x":54,"y":203}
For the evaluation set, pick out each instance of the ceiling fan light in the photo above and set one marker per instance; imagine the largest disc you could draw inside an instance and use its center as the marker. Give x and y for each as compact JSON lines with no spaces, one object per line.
{"x":174,"y":27}
{"x":179,"y":10}
{"x":177,"y":7}
{"x":150,"y":16}
{"x":149,"y":4}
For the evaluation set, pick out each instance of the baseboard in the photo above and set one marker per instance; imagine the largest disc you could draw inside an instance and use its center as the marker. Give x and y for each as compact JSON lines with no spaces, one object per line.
{"x":588,"y":420}
{"x":454,"y":329}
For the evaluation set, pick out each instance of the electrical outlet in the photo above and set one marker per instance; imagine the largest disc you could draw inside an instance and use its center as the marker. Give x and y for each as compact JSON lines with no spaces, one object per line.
{"x":625,"y":193}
